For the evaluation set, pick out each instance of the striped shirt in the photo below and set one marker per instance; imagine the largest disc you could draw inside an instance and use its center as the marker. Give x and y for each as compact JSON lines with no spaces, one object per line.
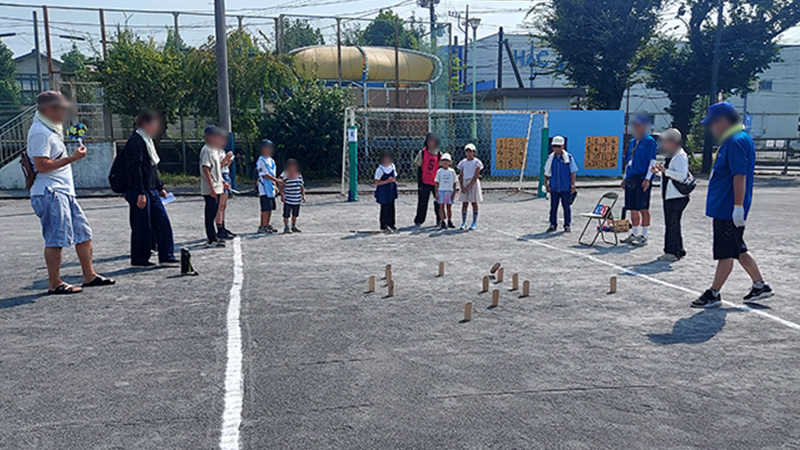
{"x":292,"y":189}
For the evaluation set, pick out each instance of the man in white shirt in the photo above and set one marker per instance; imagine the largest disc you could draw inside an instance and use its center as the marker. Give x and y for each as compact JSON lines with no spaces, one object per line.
{"x":53,"y":195}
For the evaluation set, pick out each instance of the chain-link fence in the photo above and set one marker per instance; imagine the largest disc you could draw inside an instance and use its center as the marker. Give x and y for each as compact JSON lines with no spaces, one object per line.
{"x":510,"y":144}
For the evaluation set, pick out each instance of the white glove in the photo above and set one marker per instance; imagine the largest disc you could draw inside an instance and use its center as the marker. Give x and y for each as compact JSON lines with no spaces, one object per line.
{"x":738,"y":216}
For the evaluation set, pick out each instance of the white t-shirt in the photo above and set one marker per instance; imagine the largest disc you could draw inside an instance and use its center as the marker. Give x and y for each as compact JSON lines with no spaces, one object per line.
{"x":266,"y":166}
{"x":208,"y":158}
{"x":469,"y":168}
{"x":381,"y":170}
{"x":447,"y":179}
{"x":44,"y":142}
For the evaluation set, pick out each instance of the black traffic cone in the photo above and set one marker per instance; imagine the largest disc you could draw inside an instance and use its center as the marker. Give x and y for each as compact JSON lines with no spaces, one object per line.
{"x":186,"y":263}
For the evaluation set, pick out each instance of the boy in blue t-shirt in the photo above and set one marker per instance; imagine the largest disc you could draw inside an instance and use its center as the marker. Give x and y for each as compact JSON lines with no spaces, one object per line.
{"x":730,"y":194}
{"x":268,"y":185}
{"x":639,"y":157}
{"x":559,"y":181}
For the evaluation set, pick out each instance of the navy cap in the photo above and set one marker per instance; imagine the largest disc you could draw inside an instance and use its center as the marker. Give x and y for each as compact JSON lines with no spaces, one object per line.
{"x":718,"y":110}
{"x":640,"y":119}
{"x":213,"y":130}
{"x":266,"y":142}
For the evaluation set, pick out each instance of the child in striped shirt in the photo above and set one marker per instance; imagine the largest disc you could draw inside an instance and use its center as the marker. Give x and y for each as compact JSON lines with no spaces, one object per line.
{"x":292,"y":194}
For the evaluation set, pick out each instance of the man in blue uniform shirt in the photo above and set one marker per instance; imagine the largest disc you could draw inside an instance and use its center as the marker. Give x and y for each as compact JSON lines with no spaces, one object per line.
{"x":559,"y":180}
{"x":639,"y":157}
{"x":730,"y":194}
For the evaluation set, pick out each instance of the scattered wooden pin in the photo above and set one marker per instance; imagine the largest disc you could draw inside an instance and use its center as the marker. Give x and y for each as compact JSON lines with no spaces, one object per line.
{"x":388,"y":275}
{"x":494,"y":268}
{"x":499,"y":275}
{"x":495,"y":298}
{"x":526,"y":288}
{"x":613,"y":287}
{"x":371,"y":283}
{"x":391,"y":289}
{"x":467,"y":312}
{"x":441,"y":268}
{"x":485,"y":284}
{"x":515,"y":282}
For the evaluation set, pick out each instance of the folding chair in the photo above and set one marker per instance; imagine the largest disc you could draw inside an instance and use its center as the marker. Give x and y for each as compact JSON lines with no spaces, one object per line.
{"x":601,"y":220}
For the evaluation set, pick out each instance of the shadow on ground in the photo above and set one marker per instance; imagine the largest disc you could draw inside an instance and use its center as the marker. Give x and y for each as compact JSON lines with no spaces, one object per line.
{"x":697,"y":329}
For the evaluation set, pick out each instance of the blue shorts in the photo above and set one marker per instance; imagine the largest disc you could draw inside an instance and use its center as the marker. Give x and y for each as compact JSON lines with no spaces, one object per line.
{"x":636,"y":199}
{"x":444,"y":197}
{"x":226,"y":177}
{"x":63,"y":222}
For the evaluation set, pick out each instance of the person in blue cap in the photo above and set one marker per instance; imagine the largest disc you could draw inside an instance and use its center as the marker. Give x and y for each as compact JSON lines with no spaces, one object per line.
{"x":730,"y":194}
{"x":639,"y":157}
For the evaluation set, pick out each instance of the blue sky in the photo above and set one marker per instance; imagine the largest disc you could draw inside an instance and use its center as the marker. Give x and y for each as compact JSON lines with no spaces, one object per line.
{"x":69,"y":24}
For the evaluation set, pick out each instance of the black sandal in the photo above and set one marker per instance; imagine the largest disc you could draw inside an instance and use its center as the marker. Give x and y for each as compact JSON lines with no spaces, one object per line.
{"x":100,"y":281}
{"x":65,"y":289}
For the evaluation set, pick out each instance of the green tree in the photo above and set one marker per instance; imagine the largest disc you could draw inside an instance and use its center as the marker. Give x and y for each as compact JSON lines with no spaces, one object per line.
{"x":299,"y":33}
{"x":381,"y":32}
{"x":598,"y":42}
{"x":748,"y":47}
{"x":291,"y":117}
{"x":9,"y":88}
{"x":137,"y":73}
{"x":78,"y":67}
{"x":256,"y":75}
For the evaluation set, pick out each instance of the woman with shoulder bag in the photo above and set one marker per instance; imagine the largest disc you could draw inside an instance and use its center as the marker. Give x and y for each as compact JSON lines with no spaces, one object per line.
{"x":677,"y":183}
{"x":148,"y":218}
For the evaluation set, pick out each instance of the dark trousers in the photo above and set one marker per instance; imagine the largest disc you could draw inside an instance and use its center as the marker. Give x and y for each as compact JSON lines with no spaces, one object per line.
{"x":424,"y":194}
{"x":563,"y":199}
{"x":212,"y":205}
{"x":387,"y":216}
{"x":673,"y":211}
{"x":149,"y":224}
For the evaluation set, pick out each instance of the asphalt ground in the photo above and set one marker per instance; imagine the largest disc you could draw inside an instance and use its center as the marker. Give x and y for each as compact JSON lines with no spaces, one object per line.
{"x":326,"y":365}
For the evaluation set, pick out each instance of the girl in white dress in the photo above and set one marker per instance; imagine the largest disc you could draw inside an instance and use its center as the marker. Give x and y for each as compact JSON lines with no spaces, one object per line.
{"x":469,"y":171}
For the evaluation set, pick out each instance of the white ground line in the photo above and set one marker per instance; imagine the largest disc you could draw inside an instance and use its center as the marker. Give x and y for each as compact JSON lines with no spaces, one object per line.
{"x":746,"y":308}
{"x":234,"y":383}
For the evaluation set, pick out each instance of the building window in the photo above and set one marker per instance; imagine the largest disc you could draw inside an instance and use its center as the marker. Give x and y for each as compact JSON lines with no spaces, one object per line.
{"x":765,"y":85}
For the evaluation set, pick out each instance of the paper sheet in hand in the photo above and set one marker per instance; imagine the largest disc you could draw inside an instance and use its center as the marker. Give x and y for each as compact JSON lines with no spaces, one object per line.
{"x":168,"y":199}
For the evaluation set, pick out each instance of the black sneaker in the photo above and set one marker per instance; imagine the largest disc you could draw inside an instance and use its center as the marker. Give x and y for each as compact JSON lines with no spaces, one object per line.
{"x":443,"y":225}
{"x":756,"y":294}
{"x":708,"y":300}
{"x":296,"y":230}
{"x":551,"y":229}
{"x":271,"y":229}
{"x":450,"y":224}
{"x":229,"y":233}
{"x":567,"y":229}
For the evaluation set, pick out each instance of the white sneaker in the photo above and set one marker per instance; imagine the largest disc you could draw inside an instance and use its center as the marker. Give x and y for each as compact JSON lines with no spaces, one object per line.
{"x":640,"y":241}
{"x":629,"y":239}
{"x":463,"y":226}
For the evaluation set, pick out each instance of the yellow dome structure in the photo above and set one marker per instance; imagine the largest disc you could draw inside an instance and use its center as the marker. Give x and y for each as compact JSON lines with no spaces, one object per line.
{"x":370,"y":64}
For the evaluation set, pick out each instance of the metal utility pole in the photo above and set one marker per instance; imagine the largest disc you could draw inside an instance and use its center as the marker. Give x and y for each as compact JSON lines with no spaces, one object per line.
{"x":500,"y":36}
{"x":466,"y":44}
{"x":396,"y":61}
{"x":431,"y":5}
{"x":180,"y":112}
{"x":51,"y":78}
{"x":339,"y":49}
{"x":474,"y":22}
{"x":103,"y":32}
{"x":223,"y":87}
{"x":39,"y":81}
{"x":708,"y":145}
